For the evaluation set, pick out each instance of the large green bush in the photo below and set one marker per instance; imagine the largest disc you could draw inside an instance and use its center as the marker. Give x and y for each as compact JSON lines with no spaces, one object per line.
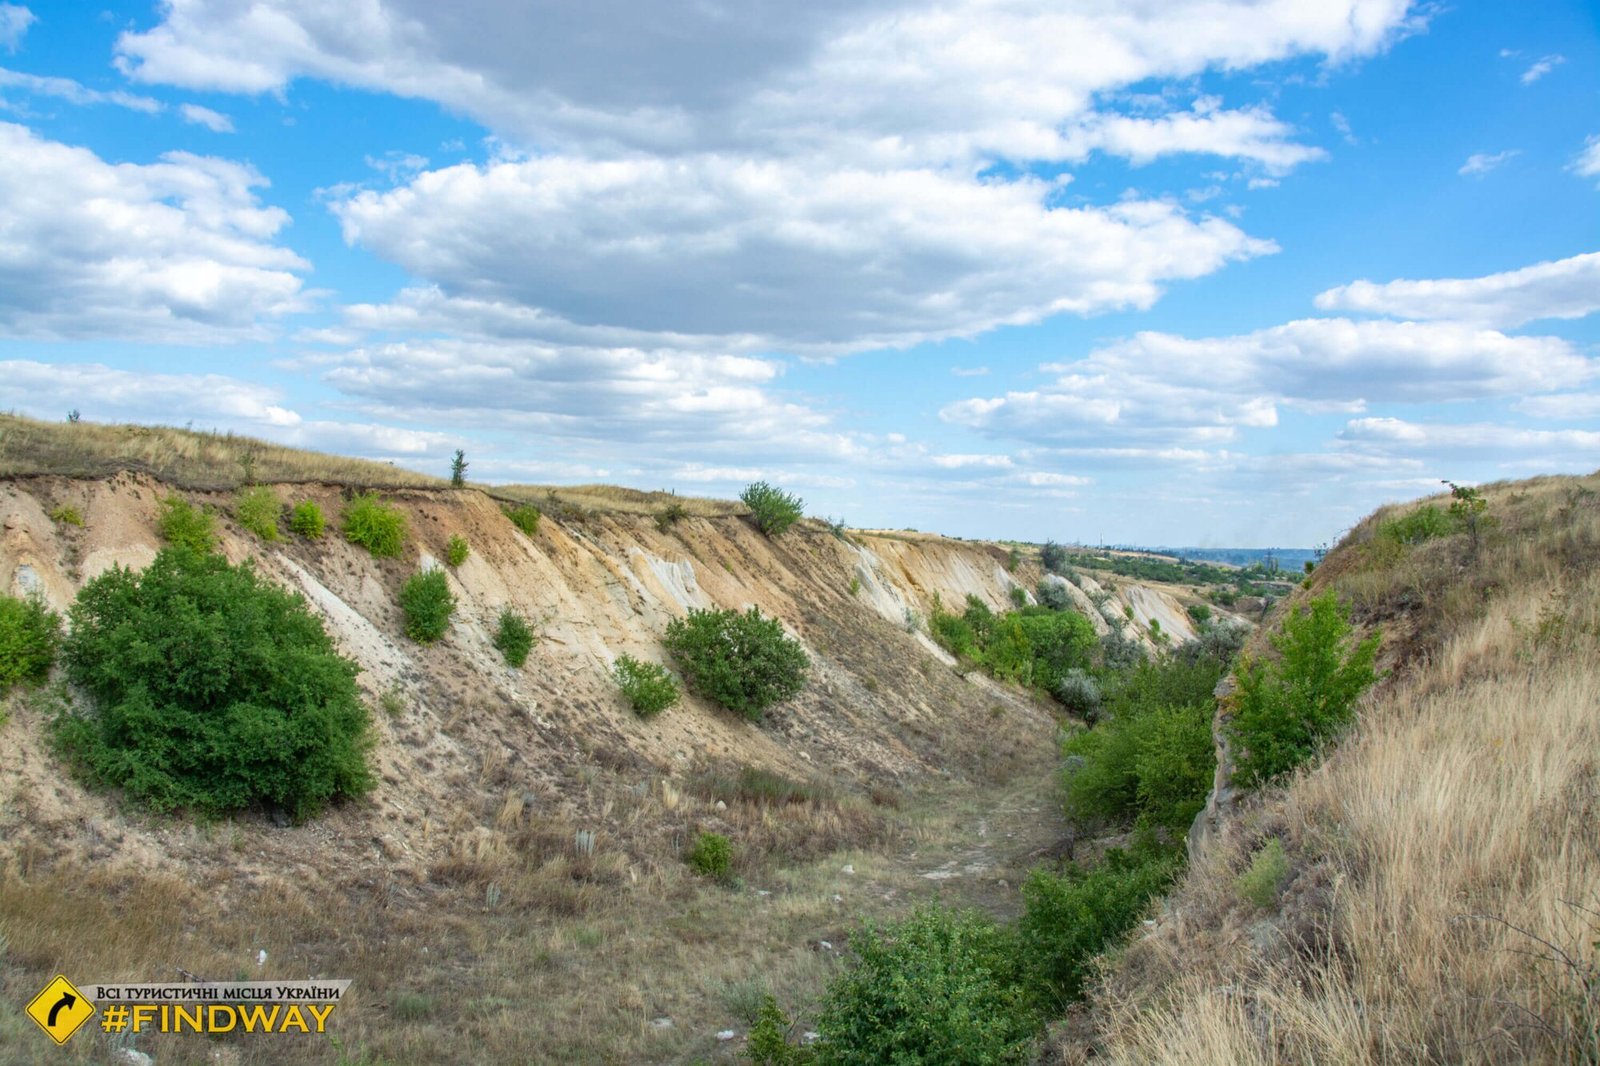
{"x":305,"y":518}
{"x":375,"y":525}
{"x":183,"y":525}
{"x":649,"y":687}
{"x":29,"y":633}
{"x":743,"y":661}
{"x":939,"y":986}
{"x":1069,"y":919}
{"x":1285,"y":709}
{"x":212,"y":689}
{"x":257,"y":510}
{"x":774,"y":510}
{"x":428,"y":605}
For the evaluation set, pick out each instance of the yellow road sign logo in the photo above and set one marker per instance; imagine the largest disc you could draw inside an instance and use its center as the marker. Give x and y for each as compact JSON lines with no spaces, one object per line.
{"x":60,"y":1009}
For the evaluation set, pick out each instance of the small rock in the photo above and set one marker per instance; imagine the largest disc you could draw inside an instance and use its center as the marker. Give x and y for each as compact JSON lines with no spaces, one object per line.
{"x":838,"y":898}
{"x":721,"y":806}
{"x":661,"y":1023}
{"x":726,"y":1035}
{"x":810,"y":1036}
{"x":129,"y":1057}
{"x":261,"y":957}
{"x":824,"y":945}
{"x":762,"y":892}
{"x":848,"y":868}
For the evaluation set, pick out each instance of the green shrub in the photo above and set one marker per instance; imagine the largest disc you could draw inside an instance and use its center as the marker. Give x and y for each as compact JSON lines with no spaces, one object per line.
{"x":1079,"y":693}
{"x":940,"y":986}
{"x":743,"y":661}
{"x":375,"y":525}
{"x":458,"y":470}
{"x":305,"y":518}
{"x":648,"y":686}
{"x":67,"y":515}
{"x":768,"y":1044}
{"x":212,"y":689}
{"x":257,"y":510}
{"x":1061,"y":641}
{"x":1269,"y":866}
{"x":1285,"y":709}
{"x":1175,"y":763}
{"x":456,"y":552}
{"x":183,"y":525}
{"x":1200,"y":613}
{"x":712,"y":855}
{"x":29,"y":634}
{"x":512,"y":637}
{"x":428,"y":605}
{"x":670,"y":515}
{"x":1053,"y":557}
{"x":1054,"y":595}
{"x":1419,"y":525}
{"x":1068,"y":920}
{"x":773,"y":509}
{"x":525,"y":516}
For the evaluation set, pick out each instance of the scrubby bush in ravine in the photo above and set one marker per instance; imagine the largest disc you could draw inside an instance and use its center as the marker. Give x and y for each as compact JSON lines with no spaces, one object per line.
{"x":649,"y":688}
{"x":1424,"y":523}
{"x":305,"y":519}
{"x":375,"y":525}
{"x":1260,"y":882}
{"x":456,"y":552}
{"x":1054,"y":595}
{"x":743,"y":661}
{"x":773,"y":509}
{"x":768,"y":1044}
{"x":257,"y":510}
{"x":712,"y":855}
{"x":183,"y":525}
{"x":211,"y":689}
{"x":525,"y":516}
{"x":428,"y":604}
{"x":29,"y":634}
{"x":513,"y":637}
{"x":1285,"y":709}
{"x":1053,"y":557}
{"x":939,"y":986}
{"x":67,"y":515}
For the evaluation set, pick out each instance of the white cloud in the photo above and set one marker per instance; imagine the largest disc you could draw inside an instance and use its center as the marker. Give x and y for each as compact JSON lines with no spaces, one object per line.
{"x":108,"y":394}
{"x":1562,"y":407}
{"x":1542,"y":67}
{"x":74,"y":92}
{"x":1588,"y":162}
{"x":1162,"y":388}
{"x":1483,"y":162}
{"x":821,"y":261}
{"x":215,"y":121}
{"x":970,"y":371}
{"x":1480,"y":440}
{"x":1562,"y":288}
{"x":179,"y":251}
{"x":1251,"y":134}
{"x":963,"y":462}
{"x":14,"y":23}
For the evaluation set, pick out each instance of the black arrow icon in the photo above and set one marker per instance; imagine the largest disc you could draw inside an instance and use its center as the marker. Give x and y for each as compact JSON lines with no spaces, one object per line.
{"x":67,"y":1000}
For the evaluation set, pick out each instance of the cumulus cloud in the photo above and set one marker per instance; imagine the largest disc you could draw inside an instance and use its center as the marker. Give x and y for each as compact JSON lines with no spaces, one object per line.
{"x":1567,"y":448}
{"x":1187,"y":391}
{"x":1541,"y":67}
{"x":215,"y":121}
{"x":75,"y":92}
{"x":14,"y":23}
{"x":1588,"y":162}
{"x":109,"y":394}
{"x":180,"y":250}
{"x":1483,"y":162}
{"x":1561,"y":288}
{"x":812,"y":260}
{"x":1562,"y":407}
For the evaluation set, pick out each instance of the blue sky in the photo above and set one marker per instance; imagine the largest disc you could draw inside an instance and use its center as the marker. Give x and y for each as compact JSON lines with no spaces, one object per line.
{"x":1177,"y":271}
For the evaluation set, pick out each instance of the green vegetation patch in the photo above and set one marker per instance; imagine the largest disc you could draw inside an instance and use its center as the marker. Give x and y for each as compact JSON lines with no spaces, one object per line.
{"x":306,"y":520}
{"x":650,"y":689}
{"x":773,"y":509}
{"x":1269,"y":867}
{"x":512,"y":637}
{"x":428,"y":603}
{"x":743,"y":661}
{"x":29,"y":635}
{"x":375,"y":525}
{"x":183,"y":525}
{"x":257,"y":510}
{"x":456,"y":552}
{"x":712,"y":855}
{"x":525,"y":516}
{"x":67,"y":515}
{"x":212,"y":689}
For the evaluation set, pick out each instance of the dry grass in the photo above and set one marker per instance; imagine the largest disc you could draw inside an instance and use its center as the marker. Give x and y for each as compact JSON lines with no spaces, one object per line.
{"x":185,"y":458}
{"x":581,"y":500}
{"x":1445,"y":863}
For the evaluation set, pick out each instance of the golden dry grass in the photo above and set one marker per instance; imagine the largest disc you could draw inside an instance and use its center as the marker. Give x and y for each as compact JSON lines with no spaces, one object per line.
{"x":606,"y":499}
{"x":1445,"y":858}
{"x":181,"y":457}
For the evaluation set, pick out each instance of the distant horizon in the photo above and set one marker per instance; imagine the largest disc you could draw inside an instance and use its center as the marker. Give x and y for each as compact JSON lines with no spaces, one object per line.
{"x":1227,"y":271}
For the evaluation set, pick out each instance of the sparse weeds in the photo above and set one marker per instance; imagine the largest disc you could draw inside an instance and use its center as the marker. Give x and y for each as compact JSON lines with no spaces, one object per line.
{"x":1259,"y":884}
{"x":670,"y":515}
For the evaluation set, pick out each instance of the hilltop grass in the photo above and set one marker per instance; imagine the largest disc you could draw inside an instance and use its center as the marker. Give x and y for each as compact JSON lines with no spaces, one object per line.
{"x":183,"y":458}
{"x":1444,"y":850}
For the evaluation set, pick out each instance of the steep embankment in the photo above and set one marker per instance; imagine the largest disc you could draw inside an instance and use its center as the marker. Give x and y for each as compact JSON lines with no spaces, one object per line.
{"x":1438,"y":895}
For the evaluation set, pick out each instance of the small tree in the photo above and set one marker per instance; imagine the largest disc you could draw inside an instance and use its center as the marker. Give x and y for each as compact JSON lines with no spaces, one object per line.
{"x":1285,"y":709}
{"x":29,"y":633}
{"x":774,"y":509}
{"x":1468,"y":508}
{"x":458,"y":470}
